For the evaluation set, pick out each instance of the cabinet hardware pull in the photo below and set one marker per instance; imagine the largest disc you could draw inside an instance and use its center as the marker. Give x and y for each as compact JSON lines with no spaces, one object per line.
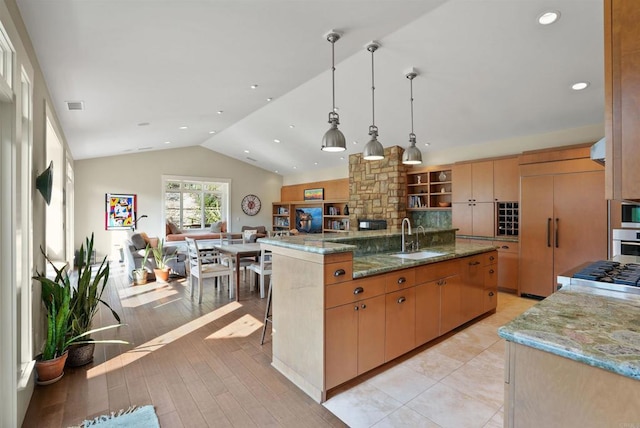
{"x":505,"y":247}
{"x":491,"y":271}
{"x":401,"y":300}
{"x":355,"y":308}
{"x":492,"y":258}
{"x":491,"y":294}
{"x":339,"y":272}
{"x":557,"y":220}
{"x":474,"y":263}
{"x":363,"y":306}
{"x":549,"y":232}
{"x":402,"y":280}
{"x":358,"y":290}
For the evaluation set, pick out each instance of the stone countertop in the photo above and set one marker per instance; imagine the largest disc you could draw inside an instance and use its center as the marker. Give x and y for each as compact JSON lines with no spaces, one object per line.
{"x":600,"y":328}
{"x":375,"y":263}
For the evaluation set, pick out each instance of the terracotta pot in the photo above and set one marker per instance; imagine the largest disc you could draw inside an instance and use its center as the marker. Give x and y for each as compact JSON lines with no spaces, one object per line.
{"x":162,"y":275}
{"x":79,"y":355}
{"x":50,"y":371}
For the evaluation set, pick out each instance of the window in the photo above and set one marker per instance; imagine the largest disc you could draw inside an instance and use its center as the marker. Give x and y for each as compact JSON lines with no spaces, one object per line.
{"x":195,"y":203}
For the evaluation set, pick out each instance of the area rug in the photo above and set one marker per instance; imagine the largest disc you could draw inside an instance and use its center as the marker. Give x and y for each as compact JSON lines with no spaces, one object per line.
{"x":138,"y":417}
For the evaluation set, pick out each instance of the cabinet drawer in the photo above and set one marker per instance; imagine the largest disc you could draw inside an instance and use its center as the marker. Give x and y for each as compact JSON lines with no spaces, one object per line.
{"x":340,"y":271}
{"x":432,"y":272}
{"x":490,"y":258}
{"x":491,"y":276}
{"x":355,"y":290}
{"x":507,"y":247}
{"x":400,"y":279}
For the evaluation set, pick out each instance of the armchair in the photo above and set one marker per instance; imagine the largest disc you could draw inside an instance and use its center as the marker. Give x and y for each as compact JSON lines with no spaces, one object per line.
{"x":134,"y":253}
{"x":258,"y":232}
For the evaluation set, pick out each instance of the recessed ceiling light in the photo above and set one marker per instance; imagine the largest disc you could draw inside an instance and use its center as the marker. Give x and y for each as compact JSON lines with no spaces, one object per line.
{"x":276,"y":171}
{"x":254,"y":86}
{"x":220,"y":111}
{"x":578,"y":86}
{"x":183,"y":127}
{"x":167,"y":142}
{"x":246,"y":151}
{"x":292,"y":126}
{"x":143,"y":124}
{"x":548,"y":17}
{"x":276,"y":140}
{"x":295,"y":167}
{"x":212,"y":132}
{"x":427,"y":144}
{"x":315,"y":163}
{"x":355,"y":142}
{"x":269,"y":99}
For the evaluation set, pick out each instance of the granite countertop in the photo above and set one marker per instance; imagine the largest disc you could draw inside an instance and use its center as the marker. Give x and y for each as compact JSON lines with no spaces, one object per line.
{"x":597,"y":327}
{"x":377,"y":262}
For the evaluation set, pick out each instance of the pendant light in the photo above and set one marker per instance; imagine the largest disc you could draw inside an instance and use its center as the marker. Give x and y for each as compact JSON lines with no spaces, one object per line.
{"x":373,"y":150}
{"x":412,"y":155}
{"x":333,"y":140}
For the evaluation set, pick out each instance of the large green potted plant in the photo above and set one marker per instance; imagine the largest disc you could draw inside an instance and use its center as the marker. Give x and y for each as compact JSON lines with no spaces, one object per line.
{"x":139,"y":274}
{"x":162,"y":258}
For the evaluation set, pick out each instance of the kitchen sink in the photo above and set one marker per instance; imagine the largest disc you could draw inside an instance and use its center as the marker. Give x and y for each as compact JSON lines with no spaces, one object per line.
{"x":418,"y":255}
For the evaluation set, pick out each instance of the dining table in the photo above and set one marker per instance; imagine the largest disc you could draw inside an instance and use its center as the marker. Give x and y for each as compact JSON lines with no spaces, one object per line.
{"x":238,"y":251}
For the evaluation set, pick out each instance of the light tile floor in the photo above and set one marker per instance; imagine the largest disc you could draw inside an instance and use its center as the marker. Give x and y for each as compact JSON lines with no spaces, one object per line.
{"x":456,"y":383}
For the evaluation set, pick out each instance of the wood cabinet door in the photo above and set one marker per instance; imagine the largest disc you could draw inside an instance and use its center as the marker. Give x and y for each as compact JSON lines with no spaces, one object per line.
{"x":506,"y":180}
{"x":400,"y":331}
{"x":536,"y":235}
{"x":490,"y":300}
{"x":450,"y":311}
{"x":427,"y":312}
{"x":371,"y":332}
{"x":341,"y":344}
{"x":483,"y":219}
{"x":508,"y":263}
{"x":580,"y":220}
{"x":482,"y":181}
{"x":461,"y":183}
{"x":471,"y":287}
{"x":462,"y":217}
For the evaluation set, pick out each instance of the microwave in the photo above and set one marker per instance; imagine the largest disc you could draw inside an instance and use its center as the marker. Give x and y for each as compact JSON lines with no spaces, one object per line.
{"x":630,"y":215}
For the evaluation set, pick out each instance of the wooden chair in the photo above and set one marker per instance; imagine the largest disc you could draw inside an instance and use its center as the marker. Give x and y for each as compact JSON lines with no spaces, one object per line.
{"x":261,"y":268}
{"x":207,"y":264}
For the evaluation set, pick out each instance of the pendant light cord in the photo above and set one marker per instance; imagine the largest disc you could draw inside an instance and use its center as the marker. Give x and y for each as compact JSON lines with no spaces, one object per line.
{"x":411,"y":86}
{"x":333,"y":75}
{"x":373,"y":88}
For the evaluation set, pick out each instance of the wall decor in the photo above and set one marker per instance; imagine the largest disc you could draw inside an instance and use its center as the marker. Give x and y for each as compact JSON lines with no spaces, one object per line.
{"x":120,"y":211}
{"x":314,"y":194}
{"x":251,"y":204}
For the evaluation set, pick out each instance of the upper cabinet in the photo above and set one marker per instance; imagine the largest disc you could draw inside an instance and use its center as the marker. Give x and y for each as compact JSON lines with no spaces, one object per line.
{"x":622,"y":98}
{"x":506,"y":180}
{"x":473,"y":182}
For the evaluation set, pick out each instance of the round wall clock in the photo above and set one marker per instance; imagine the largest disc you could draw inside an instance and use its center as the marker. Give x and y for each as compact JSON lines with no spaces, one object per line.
{"x":251,"y":204}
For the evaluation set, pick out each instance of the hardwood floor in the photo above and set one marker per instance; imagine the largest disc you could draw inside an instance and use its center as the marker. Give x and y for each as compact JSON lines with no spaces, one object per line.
{"x":199,"y":365}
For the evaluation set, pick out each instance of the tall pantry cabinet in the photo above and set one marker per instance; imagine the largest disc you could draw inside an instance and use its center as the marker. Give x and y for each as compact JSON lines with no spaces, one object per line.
{"x":563,"y":221}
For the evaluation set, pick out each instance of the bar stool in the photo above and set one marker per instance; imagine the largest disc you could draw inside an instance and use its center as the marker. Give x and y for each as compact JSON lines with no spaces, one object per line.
{"x":267,"y":313}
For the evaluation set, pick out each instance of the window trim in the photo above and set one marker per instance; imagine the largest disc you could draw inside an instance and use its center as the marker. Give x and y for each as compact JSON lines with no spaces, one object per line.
{"x":226,"y":208}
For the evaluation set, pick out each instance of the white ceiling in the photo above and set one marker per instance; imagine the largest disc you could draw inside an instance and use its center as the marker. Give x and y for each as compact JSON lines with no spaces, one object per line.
{"x":487,"y":72}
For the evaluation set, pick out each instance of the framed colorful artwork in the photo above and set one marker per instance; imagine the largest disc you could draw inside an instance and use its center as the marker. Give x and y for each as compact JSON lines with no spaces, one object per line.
{"x":314,"y":194}
{"x":120,"y":211}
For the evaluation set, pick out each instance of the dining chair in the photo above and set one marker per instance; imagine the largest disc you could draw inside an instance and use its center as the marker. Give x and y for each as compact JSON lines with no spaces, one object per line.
{"x":207,"y":264}
{"x":262,"y":268}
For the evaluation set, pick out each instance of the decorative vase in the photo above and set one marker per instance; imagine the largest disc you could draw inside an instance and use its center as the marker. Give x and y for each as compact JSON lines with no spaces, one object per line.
{"x":139,"y":276}
{"x":442,"y":176}
{"x":346,"y":209}
{"x":50,"y":371}
{"x":79,"y":355}
{"x":162,"y":275}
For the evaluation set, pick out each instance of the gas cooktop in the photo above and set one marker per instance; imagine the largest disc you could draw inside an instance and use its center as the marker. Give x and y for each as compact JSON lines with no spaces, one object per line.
{"x":605,"y":274}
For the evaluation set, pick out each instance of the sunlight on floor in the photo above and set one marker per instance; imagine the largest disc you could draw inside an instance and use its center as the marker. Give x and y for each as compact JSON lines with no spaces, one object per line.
{"x":242,"y":327}
{"x":133,"y":297}
{"x":160,"y":341}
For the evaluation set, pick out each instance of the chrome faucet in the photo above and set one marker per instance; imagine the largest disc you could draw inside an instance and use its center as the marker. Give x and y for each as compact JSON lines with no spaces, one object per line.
{"x":424,"y":232}
{"x":404,"y":247}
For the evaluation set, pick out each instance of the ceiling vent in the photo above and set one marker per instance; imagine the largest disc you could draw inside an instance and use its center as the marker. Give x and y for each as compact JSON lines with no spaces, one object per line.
{"x":75,"y":105}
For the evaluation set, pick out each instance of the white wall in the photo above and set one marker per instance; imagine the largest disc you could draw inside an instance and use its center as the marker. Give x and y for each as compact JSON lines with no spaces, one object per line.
{"x":141,"y":173}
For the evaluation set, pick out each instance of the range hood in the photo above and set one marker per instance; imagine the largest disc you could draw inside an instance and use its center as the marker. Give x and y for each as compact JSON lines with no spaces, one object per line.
{"x":598,"y":151}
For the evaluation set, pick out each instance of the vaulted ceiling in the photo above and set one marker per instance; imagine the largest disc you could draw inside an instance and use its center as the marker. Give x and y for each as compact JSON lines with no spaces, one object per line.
{"x":487,"y":71}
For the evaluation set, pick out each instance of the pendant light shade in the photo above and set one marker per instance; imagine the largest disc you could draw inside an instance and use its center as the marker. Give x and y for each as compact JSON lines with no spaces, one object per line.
{"x":373,"y":150}
{"x":412,"y":155}
{"x":333,"y":140}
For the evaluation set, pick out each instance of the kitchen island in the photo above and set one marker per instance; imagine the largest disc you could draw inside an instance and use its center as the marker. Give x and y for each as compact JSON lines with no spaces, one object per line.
{"x":344,"y":304}
{"x":574,"y":360}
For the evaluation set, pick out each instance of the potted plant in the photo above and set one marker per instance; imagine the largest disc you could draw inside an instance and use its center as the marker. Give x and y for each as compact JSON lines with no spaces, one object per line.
{"x":162,"y":259}
{"x":84,"y":303}
{"x":70,"y":311}
{"x":139,"y":274}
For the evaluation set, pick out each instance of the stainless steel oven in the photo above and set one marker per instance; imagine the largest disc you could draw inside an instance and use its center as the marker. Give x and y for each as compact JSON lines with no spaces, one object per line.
{"x":626,"y":242}
{"x":630,"y":215}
